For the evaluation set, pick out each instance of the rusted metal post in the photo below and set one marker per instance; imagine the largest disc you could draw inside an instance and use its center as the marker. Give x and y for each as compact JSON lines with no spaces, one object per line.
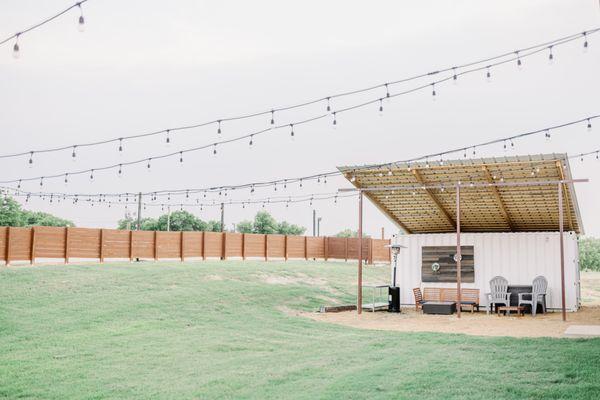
{"x":32,"y":255}
{"x":562,"y":252}
{"x":360,"y":253}
{"x":458,"y":252}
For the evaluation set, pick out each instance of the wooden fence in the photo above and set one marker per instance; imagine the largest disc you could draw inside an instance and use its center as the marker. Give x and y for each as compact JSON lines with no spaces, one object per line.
{"x":42,"y":242}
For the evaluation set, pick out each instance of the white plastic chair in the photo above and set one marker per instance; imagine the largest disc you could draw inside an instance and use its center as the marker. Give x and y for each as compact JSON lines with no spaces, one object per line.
{"x":498,"y":293}
{"x":538,"y":295}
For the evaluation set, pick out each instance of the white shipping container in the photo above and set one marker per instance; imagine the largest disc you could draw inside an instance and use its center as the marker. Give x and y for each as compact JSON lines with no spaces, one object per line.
{"x":519,"y":257}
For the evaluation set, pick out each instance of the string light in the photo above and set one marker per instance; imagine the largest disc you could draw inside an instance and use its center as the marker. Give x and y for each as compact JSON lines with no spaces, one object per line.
{"x":454,"y":76}
{"x":215,"y":149}
{"x":292,"y":130}
{"x":433,"y":94}
{"x":251,"y":136}
{"x":148,"y":166}
{"x":328,"y":104}
{"x":120,"y":171}
{"x":92,"y":175}
{"x":550,"y":55}
{"x":585,"y":41}
{"x":30,"y":159}
{"x":180,"y":157}
{"x":589,"y":125}
{"x":380,"y":106}
{"x":532,"y":51}
{"x":168,"y":139}
{"x":73,"y":155}
{"x":81,"y":22}
{"x":334,"y":119}
{"x":547,"y":134}
{"x":120,"y":145}
{"x":519,"y":62}
{"x":219,"y":127}
{"x":488,"y":74}
{"x":272,"y":117}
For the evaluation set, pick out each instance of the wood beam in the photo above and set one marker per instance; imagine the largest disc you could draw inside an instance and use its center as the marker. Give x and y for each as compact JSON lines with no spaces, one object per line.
{"x":561,"y":174}
{"x":434,"y":198}
{"x":496,"y":193}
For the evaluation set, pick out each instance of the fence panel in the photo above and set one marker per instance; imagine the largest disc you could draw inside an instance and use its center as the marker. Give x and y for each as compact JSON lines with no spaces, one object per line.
{"x":168,"y":244}
{"x":233,"y":244}
{"x":315,"y":247}
{"x":49,"y":242}
{"x":380,"y":252}
{"x":19,"y":244}
{"x":276,"y":246}
{"x":192,"y":244}
{"x":336,"y":248}
{"x":213,"y":242}
{"x":254,"y":245}
{"x":85,"y":242}
{"x":296,"y":247}
{"x":116,"y":243}
{"x":143,"y":244}
{"x":3,"y":237}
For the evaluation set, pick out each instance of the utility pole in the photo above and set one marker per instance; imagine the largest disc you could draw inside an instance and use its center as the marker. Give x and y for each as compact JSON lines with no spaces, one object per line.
{"x":168,"y":218}
{"x":319,"y":226}
{"x":314,"y":222}
{"x":222,"y":217}
{"x":139,"y":216}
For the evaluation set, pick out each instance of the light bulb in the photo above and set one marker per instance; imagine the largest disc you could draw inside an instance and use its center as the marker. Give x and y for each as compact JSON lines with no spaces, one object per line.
{"x":328,"y":104}
{"x":292,"y":131}
{"x":16,"y":49}
{"x":219,"y":127}
{"x":81,"y":24}
{"x":454,"y":76}
{"x":433,"y":93}
{"x":272,"y":117}
{"x":120,"y":146}
{"x":550,"y":56}
{"x":73,"y":154}
{"x":585,"y":42}
{"x":180,"y":158}
{"x":488,"y":75}
{"x":589,"y":125}
{"x":380,"y":107}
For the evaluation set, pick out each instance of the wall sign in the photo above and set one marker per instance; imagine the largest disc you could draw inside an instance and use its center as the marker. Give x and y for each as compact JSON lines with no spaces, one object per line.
{"x":439,"y":264}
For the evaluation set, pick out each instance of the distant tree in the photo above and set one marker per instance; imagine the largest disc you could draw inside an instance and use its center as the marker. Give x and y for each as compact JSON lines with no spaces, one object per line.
{"x":213,"y":226}
{"x":148,"y":224}
{"x":589,"y":254}
{"x":264,"y":223}
{"x":349,"y":233}
{"x":245,"y":227}
{"x":181,"y":221}
{"x":285,"y":228}
{"x":40,"y":218}
{"x":11,"y":214}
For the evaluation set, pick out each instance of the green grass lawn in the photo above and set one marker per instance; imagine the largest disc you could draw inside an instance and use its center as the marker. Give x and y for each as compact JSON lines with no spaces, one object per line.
{"x":219,"y":330}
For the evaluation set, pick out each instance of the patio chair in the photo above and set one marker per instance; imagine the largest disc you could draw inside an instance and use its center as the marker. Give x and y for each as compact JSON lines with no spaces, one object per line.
{"x":418,"y":298}
{"x":498,"y":293}
{"x":538,"y":295}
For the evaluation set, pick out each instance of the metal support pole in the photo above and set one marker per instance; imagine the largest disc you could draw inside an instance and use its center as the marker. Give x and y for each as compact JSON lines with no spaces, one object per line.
{"x":319,"y":226}
{"x":222,"y":217}
{"x":360,"y":253}
{"x":458,"y":253}
{"x":168,"y":218}
{"x":139,"y":215}
{"x":562,"y":252}
{"x":314,"y":223}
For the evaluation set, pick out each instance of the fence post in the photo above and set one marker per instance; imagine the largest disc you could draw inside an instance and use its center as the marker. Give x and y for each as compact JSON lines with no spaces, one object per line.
{"x":181,"y":247}
{"x":346,"y":248}
{"x":285,"y":247}
{"x":130,"y":246}
{"x":266,"y":247}
{"x":67,"y":244}
{"x":243,"y":246}
{"x":155,"y":245}
{"x":32,"y":255}
{"x":224,"y":247}
{"x":7,"y":246}
{"x":306,"y":248}
{"x":203,"y":245}
{"x":371,"y":251}
{"x":101,"y":245}
{"x":326,"y":248}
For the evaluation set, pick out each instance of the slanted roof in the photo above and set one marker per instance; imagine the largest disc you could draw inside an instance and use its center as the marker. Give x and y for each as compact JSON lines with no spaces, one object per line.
{"x":483,"y":208}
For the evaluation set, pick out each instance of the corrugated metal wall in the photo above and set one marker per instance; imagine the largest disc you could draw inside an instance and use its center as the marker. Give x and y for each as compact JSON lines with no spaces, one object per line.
{"x":519,"y":257}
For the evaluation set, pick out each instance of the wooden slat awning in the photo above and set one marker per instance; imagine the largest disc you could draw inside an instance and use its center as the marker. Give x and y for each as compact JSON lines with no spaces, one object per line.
{"x":483,"y":209}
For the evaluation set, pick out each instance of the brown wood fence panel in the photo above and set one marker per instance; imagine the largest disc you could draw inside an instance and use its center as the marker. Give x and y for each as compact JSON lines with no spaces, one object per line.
{"x":315,"y":247}
{"x":336,"y":248}
{"x":214,"y":244}
{"x":254,"y":245}
{"x":116,"y":243}
{"x":276,"y":246}
{"x":85,"y":243}
{"x":192,"y":244}
{"x":168,"y":244}
{"x":296,"y":246}
{"x":233,"y":245}
{"x":380,"y":252}
{"x":3,"y":237}
{"x":19,"y":244}
{"x":143,"y":244}
{"x":50,"y":242}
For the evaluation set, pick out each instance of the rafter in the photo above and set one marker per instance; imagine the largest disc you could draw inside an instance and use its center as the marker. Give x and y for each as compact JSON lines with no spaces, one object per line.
{"x":496,"y":193}
{"x":434,"y":198}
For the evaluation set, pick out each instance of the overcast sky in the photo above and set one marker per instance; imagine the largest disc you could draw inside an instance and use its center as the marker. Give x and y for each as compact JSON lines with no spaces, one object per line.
{"x":150,"y":65}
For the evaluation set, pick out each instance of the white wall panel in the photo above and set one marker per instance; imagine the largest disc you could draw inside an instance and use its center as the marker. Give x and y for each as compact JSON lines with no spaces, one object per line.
{"x":519,"y":257}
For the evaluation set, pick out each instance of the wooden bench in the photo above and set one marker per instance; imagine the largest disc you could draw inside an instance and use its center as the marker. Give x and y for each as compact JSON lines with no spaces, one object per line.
{"x":469,"y":297}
